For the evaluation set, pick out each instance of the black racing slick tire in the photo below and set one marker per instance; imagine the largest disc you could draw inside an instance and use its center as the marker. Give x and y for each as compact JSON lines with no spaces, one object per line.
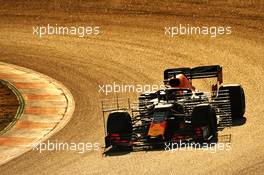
{"x":119,"y":122}
{"x":237,"y":99}
{"x":204,"y":115}
{"x":119,"y":129}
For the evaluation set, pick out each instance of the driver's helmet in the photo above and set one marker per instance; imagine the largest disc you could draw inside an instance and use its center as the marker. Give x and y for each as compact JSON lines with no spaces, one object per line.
{"x":180,"y":81}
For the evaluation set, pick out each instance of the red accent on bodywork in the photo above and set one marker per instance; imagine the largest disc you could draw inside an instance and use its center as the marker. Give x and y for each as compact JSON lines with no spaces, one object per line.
{"x":114,"y":135}
{"x":220,"y":77}
{"x":198,"y":132}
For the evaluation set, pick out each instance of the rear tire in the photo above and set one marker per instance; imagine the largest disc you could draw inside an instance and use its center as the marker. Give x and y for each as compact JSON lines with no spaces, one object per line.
{"x":237,"y":99}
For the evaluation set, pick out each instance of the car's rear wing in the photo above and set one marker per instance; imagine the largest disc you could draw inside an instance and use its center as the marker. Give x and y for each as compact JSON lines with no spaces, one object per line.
{"x":196,"y":72}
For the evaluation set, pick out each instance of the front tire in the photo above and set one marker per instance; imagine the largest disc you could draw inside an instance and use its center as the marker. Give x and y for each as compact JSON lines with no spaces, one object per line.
{"x":204,"y":116}
{"x":119,"y":123}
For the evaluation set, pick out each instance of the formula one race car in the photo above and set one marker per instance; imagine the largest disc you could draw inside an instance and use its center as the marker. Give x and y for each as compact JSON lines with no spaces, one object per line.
{"x":176,"y":113}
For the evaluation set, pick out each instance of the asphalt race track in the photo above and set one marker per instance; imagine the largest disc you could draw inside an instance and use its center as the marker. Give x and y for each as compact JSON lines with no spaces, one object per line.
{"x":133,"y":49}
